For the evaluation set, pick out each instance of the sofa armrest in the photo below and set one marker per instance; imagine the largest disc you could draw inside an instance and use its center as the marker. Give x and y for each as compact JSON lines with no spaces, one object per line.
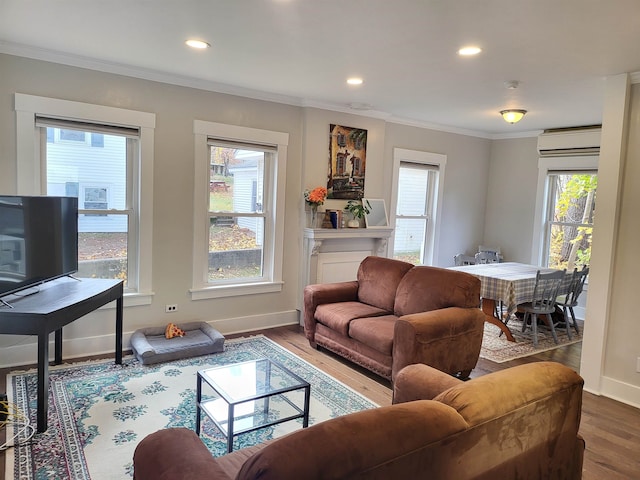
{"x":318,"y":294}
{"x":175,"y":453}
{"x":448,"y":339}
{"x":421,"y":382}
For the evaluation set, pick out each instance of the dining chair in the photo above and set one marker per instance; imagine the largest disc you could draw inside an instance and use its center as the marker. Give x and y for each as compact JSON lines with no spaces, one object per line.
{"x":496,"y":250}
{"x":570,"y":299}
{"x":487,"y":257}
{"x":543,"y":303}
{"x":461,"y":259}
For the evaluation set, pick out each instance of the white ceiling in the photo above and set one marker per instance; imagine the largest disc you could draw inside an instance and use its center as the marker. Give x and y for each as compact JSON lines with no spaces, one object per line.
{"x":302,"y":51}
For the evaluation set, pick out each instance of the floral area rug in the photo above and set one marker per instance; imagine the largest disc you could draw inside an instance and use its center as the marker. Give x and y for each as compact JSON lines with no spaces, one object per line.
{"x":99,"y":411}
{"x":497,"y":348}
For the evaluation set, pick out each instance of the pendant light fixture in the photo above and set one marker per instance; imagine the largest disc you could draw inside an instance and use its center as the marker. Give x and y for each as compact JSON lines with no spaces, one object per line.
{"x":512,"y":115}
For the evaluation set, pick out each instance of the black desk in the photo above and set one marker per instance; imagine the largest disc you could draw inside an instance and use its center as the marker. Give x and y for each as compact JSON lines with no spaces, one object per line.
{"x":57,"y":304}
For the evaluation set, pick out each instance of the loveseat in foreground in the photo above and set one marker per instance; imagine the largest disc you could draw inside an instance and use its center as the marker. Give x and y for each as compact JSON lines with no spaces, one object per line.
{"x":396,"y":314}
{"x":519,"y":423}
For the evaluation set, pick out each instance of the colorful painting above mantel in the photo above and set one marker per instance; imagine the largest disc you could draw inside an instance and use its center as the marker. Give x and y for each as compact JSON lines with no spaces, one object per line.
{"x":347,"y":162}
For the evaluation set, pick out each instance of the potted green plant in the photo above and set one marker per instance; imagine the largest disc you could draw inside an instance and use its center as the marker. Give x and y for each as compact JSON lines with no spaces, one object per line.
{"x":358,"y":210}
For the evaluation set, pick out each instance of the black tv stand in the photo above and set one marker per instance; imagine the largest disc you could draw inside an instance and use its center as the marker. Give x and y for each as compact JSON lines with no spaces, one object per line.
{"x":58,"y":303}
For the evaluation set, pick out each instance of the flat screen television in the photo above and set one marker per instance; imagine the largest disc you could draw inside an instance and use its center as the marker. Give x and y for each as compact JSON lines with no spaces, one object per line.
{"x":38,"y":240}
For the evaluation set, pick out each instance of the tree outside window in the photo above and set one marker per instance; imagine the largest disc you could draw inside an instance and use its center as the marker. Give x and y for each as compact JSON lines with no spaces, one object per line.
{"x":572,"y":201}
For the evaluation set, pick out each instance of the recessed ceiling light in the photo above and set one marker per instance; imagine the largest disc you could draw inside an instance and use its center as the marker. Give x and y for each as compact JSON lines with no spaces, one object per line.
{"x":468,"y":51}
{"x":197,"y":44}
{"x":354,"y":81}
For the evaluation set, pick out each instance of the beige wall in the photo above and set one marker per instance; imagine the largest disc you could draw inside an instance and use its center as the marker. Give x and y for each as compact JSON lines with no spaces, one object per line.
{"x":464,"y":184}
{"x":175,"y":108}
{"x":489,"y":187}
{"x":464,"y":181}
{"x":513,"y":181}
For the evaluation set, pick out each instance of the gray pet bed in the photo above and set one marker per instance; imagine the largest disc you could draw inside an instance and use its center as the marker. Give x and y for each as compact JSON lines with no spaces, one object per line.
{"x":150,"y":345}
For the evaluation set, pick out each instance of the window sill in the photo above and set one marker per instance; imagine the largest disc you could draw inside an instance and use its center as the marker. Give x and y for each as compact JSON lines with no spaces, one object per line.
{"x":235,"y":290}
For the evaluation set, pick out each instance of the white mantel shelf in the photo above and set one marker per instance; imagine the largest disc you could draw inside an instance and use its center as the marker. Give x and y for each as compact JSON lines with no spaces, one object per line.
{"x":334,"y":254}
{"x":333,"y":233}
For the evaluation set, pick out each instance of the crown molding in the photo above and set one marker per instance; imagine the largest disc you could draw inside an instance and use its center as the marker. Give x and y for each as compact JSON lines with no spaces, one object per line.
{"x":207,"y":85}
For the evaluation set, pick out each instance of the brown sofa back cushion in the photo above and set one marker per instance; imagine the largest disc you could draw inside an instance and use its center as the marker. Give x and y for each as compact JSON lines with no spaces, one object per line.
{"x":423,"y":289}
{"x":386,"y":442}
{"x":378,"y":280}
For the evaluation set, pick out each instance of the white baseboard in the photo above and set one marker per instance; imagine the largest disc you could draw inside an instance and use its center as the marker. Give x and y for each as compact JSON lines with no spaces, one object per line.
{"x":27,"y":354}
{"x":620,"y":391}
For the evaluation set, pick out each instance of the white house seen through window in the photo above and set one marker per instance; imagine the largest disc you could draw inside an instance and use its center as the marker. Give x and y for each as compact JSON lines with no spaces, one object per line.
{"x":96,"y":172}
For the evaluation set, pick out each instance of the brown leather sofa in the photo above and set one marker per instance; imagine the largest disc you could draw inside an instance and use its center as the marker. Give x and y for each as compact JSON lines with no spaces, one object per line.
{"x":516,"y":423}
{"x":396,"y":314}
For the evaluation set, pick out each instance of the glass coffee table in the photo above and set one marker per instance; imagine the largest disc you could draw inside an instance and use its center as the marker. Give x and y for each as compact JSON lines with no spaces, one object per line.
{"x":251,"y":395}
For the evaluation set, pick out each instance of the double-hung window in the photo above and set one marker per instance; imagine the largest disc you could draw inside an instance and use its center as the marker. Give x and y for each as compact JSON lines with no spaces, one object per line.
{"x":565,"y":211}
{"x":416,"y":200}
{"x":239,"y":204}
{"x":104,"y":157}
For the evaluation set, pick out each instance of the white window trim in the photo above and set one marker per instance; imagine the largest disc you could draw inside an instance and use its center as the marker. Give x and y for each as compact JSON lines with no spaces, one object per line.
{"x":545,"y":165}
{"x":202,"y":130}
{"x":432,"y":237}
{"x":29,"y":178}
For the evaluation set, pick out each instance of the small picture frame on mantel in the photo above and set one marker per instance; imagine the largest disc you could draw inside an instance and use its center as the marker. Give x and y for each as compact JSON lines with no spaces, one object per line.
{"x":377,"y":216}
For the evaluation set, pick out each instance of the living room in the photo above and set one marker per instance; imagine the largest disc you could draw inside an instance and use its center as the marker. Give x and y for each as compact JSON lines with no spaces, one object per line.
{"x":489,"y":197}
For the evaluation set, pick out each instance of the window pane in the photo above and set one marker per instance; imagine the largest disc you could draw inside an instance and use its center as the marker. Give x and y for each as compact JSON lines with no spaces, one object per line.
{"x":235,"y":247}
{"x":96,"y":173}
{"x":102,"y":254}
{"x":571,"y":225}
{"x":413,"y":183}
{"x":236,"y":180}
{"x":570,"y":242}
{"x":409,"y":240}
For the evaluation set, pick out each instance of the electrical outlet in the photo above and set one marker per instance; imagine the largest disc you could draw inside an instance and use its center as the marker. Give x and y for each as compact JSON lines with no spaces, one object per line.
{"x":171,"y":308}
{"x":638,"y":365}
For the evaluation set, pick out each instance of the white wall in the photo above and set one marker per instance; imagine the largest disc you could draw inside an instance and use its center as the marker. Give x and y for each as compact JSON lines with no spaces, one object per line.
{"x":612,"y":332}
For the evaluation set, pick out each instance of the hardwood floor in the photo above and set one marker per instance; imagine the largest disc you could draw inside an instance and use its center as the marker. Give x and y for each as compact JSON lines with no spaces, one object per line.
{"x":611,"y":429}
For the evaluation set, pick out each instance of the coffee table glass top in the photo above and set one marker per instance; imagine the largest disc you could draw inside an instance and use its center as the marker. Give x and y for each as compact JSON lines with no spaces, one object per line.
{"x":251,"y":380}
{"x":250,"y":395}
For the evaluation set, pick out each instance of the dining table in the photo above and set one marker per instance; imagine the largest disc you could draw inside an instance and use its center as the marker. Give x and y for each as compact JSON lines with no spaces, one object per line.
{"x":508,"y":284}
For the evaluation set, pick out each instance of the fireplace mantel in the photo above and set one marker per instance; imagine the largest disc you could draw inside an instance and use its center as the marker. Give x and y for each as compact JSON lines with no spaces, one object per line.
{"x":334,"y":254}
{"x":316,"y":237}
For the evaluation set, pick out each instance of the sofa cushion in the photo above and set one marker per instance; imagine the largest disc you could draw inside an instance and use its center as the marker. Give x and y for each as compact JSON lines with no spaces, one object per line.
{"x":337,"y":316}
{"x":378,"y":280}
{"x":423,"y":289}
{"x":386,"y":442}
{"x":375,"y":332}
